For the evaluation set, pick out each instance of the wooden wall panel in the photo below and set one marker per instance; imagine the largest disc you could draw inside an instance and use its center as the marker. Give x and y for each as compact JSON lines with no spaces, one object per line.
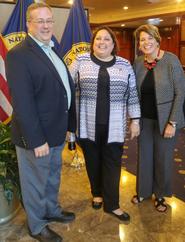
{"x":182,"y":42}
{"x":182,"y":56}
{"x":125,"y":39}
{"x":183,"y":30}
{"x":171,"y":39}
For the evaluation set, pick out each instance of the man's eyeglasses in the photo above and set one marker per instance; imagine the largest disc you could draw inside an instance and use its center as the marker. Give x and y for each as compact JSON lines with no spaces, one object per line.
{"x":42,"y":21}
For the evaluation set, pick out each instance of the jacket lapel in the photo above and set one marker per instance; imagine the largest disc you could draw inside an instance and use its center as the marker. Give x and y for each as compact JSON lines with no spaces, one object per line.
{"x":44,"y":58}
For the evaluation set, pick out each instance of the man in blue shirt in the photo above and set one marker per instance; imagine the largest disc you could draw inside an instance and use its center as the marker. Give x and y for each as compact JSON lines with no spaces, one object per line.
{"x":43,"y":100}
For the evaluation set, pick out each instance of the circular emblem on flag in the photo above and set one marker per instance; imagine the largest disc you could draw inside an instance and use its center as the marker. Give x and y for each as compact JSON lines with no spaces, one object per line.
{"x":78,"y":48}
{"x":13,"y":39}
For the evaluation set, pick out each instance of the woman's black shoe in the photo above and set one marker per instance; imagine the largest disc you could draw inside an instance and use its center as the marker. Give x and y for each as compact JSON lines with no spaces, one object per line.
{"x":123,"y":217}
{"x":96,"y":205}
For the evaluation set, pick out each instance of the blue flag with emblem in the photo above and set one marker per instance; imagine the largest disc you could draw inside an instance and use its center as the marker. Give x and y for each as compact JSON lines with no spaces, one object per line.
{"x":77,"y":34}
{"x":15,"y":30}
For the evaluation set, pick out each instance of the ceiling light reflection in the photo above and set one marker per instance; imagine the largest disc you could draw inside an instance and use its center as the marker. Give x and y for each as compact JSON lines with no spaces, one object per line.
{"x":173,"y":205}
{"x":125,"y":7}
{"x":121,"y":233}
{"x":70,"y":2}
{"x":124,"y":178}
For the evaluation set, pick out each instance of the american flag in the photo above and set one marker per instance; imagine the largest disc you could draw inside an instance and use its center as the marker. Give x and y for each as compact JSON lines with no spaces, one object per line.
{"x":5,"y":105}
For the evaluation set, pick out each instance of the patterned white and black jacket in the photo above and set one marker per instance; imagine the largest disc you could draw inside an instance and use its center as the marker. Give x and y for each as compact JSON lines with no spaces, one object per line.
{"x":123,"y":96}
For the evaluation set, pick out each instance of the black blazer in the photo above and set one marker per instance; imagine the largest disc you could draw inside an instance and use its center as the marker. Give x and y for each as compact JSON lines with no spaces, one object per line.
{"x":39,"y":99}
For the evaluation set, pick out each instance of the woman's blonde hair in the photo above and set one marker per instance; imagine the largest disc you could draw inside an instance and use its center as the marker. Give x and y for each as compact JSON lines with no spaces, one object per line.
{"x":150,"y":29}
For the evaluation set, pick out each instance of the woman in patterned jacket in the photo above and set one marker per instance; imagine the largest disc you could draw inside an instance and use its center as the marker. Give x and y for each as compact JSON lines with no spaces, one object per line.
{"x":161,"y":85}
{"x":107,"y":93}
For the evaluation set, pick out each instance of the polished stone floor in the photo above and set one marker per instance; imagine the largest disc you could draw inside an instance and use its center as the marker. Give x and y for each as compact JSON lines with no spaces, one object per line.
{"x":146,"y":225}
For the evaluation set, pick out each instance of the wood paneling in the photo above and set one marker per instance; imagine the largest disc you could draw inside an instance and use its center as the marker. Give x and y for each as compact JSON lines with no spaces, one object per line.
{"x":125,"y":39}
{"x":182,"y":42}
{"x":171,"y":39}
{"x":182,"y":55}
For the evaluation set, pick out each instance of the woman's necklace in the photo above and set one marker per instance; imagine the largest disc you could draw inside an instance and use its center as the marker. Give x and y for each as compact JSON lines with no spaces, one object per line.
{"x":151,"y":65}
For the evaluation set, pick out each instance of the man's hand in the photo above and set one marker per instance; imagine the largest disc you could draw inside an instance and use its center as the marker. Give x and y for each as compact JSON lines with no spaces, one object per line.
{"x":42,"y":150}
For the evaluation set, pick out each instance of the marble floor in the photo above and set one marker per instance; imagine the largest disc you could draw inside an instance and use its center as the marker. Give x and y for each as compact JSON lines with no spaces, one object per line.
{"x":146,"y":225}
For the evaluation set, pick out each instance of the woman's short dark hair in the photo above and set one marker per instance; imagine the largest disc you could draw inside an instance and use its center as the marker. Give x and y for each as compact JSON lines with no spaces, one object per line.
{"x":113,"y":36}
{"x":150,"y":29}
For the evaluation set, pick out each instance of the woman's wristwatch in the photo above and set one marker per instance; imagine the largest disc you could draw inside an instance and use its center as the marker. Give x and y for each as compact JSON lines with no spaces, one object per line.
{"x":173,"y":124}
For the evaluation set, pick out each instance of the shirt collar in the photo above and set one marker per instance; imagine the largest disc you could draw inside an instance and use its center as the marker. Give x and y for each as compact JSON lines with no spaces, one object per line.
{"x":42,"y":45}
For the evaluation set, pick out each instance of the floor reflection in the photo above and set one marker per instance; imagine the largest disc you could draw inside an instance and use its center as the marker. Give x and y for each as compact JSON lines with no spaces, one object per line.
{"x":146,"y":225}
